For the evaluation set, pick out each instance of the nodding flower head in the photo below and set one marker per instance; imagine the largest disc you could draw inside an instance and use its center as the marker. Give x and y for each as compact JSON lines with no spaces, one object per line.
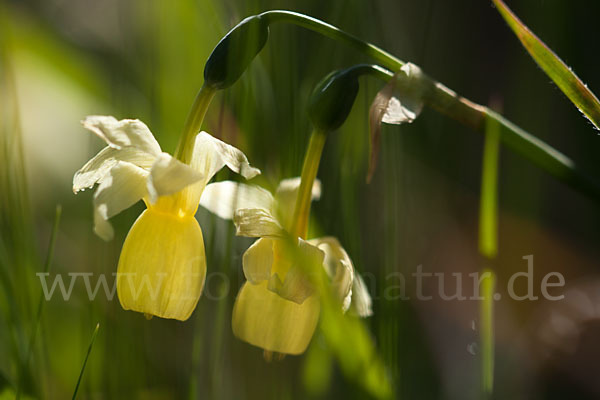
{"x":162,"y":264}
{"x":278,"y":307}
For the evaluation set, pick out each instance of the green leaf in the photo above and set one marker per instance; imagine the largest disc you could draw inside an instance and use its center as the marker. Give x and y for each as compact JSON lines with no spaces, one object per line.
{"x":554,"y":67}
{"x":87,"y":355}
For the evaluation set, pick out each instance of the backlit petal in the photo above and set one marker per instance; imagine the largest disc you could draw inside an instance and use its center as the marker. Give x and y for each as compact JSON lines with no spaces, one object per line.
{"x":226,"y":197}
{"x":123,"y":133}
{"x":257,"y":260}
{"x":256,"y":222}
{"x":124,"y":186}
{"x":264,"y":319}
{"x":99,"y":166}
{"x":211,"y":154}
{"x":169,"y":175}
{"x":285,"y":198}
{"x":162,"y":266}
{"x":304,"y":261}
{"x":338,"y":266}
{"x":361,"y":300}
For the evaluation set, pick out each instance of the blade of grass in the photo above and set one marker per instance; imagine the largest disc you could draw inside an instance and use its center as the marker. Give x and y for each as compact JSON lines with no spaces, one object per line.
{"x":40,"y":305}
{"x":89,"y":350}
{"x":486,"y":332}
{"x":553,"y":66}
{"x":488,"y":248}
{"x":488,"y":220}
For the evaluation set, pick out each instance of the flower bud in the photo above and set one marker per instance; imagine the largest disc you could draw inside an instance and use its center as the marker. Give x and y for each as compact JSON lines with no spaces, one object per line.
{"x":332,"y":99}
{"x":235,"y":52}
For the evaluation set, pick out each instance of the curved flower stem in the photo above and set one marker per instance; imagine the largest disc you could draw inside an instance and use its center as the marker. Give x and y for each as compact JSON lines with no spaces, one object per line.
{"x":193,"y":123}
{"x":309,"y":173}
{"x":335,"y":33}
{"x":447,"y":102}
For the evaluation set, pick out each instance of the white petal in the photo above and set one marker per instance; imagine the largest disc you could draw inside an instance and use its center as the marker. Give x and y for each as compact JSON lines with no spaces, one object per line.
{"x":256,"y":222}
{"x":211,"y":154}
{"x":97,"y":168}
{"x":285,"y":198}
{"x":123,"y":133}
{"x":168,"y":176}
{"x":291,"y":185}
{"x":226,"y":197}
{"x":407,"y":101}
{"x":361,"y":300}
{"x":257,"y":260}
{"x":338,"y":266}
{"x":124,"y":186}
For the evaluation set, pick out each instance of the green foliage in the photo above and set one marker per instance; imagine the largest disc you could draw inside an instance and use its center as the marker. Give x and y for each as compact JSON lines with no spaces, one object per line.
{"x":142,"y":59}
{"x":553,"y":66}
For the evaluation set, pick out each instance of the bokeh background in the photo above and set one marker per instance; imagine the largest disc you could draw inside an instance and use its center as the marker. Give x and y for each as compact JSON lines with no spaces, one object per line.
{"x":61,"y":60}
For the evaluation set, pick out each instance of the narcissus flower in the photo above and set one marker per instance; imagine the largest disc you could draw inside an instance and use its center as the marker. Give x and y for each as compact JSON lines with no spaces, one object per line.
{"x":162,"y":264}
{"x":278,"y":307}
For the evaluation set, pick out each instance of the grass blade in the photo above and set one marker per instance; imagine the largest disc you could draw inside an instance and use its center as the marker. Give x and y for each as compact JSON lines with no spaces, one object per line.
{"x":553,"y":66}
{"x":488,"y":248}
{"x":89,"y":350}
{"x":40,"y":306}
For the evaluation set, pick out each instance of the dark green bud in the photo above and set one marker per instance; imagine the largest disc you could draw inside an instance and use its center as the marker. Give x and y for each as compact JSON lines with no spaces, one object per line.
{"x":235,"y":52}
{"x":332,"y":99}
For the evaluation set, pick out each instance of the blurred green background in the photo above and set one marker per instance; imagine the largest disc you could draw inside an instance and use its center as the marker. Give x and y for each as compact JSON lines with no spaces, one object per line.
{"x":61,"y":60}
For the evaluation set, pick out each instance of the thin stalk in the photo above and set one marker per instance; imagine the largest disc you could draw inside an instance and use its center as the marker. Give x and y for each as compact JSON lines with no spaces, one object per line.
{"x":486,"y":332}
{"x":488,"y":208}
{"x":40,"y":305}
{"x":309,"y":173}
{"x":447,"y":102}
{"x":87,"y":355}
{"x":193,"y":123}
{"x":488,"y":248}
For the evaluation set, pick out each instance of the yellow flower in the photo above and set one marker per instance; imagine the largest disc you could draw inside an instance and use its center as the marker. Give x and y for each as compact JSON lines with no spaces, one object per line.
{"x":162,"y":265}
{"x":277,"y":309}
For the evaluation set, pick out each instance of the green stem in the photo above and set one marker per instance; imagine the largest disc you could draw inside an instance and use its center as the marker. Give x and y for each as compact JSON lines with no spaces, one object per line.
{"x":447,"y":102}
{"x":193,"y":123}
{"x":309,"y":173}
{"x":335,"y":33}
{"x":87,"y":355}
{"x":486,"y":327}
{"x":488,"y":248}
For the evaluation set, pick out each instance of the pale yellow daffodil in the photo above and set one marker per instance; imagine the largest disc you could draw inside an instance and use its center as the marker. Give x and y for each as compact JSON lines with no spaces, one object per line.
{"x":277,"y":309}
{"x":162,"y":266}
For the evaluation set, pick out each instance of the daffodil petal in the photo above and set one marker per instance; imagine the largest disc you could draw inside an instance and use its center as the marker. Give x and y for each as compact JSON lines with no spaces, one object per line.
{"x":169,"y":175}
{"x":123,"y":133}
{"x":291,"y":185}
{"x":257,"y":260}
{"x":361,"y":304}
{"x":98,"y":167}
{"x":285,"y":198}
{"x":122,"y":187}
{"x":211,"y":154}
{"x":256,"y":222}
{"x":226,"y":197}
{"x":339,"y":267}
{"x":264,"y":319}
{"x":296,"y":284}
{"x":162,"y":267}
